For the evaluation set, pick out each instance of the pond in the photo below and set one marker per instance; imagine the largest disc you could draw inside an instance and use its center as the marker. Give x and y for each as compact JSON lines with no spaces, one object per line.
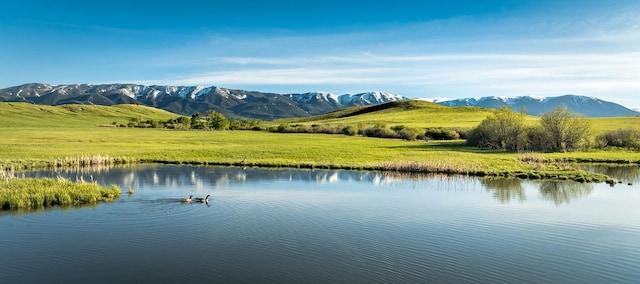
{"x":323,"y":226}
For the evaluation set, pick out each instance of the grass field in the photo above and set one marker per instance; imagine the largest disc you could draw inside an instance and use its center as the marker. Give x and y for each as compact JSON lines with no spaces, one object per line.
{"x":38,"y":136}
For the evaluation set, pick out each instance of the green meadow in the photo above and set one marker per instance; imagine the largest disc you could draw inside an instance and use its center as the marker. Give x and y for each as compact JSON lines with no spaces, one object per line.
{"x":35,"y":136}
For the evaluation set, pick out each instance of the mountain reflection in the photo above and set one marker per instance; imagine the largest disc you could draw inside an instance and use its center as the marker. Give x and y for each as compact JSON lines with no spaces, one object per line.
{"x":201,"y":177}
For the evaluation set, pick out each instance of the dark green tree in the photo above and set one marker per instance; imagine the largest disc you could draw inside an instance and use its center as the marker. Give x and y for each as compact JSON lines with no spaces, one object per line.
{"x":196,"y":121}
{"x":217,"y":121}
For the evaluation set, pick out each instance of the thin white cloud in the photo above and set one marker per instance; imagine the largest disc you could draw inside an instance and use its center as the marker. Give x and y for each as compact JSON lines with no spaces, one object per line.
{"x":451,"y":58}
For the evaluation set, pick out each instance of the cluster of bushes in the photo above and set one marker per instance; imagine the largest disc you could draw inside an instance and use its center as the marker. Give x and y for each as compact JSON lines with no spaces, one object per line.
{"x":137,"y":122}
{"x":623,"y":138}
{"x":379,"y":131}
{"x":559,"y":130}
{"x":210,"y":121}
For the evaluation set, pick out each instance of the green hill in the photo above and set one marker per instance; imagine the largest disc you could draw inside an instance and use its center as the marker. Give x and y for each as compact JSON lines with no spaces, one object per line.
{"x":25,"y":115}
{"x":410,"y":113}
{"x":423,"y":114}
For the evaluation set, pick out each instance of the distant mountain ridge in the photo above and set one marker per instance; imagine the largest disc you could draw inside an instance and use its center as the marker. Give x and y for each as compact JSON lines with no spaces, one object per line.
{"x":237,"y":104}
{"x":188,"y":100}
{"x":583,"y":105}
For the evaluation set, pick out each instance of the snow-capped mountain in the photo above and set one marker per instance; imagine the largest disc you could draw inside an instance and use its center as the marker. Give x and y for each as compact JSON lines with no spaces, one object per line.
{"x":586,"y":106}
{"x":191,"y":99}
{"x":317,"y":102}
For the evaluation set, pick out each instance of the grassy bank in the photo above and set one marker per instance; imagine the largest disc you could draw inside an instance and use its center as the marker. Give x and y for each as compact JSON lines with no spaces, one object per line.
{"x":54,"y":148}
{"x":16,"y":193}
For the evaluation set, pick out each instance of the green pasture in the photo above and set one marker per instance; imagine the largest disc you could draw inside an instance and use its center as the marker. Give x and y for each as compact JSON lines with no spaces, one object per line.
{"x":601,"y":125}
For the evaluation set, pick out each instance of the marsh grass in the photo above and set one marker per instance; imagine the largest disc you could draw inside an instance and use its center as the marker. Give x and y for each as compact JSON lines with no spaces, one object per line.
{"x":45,"y":192}
{"x":91,"y":161}
{"x":440,"y":166}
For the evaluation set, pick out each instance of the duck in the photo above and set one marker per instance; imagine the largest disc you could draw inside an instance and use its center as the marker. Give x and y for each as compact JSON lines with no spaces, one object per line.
{"x":203,"y":200}
{"x":187,"y":199}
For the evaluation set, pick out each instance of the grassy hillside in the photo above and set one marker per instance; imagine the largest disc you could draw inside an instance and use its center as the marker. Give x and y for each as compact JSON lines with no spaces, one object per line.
{"x":423,"y":114}
{"x":411,"y":113}
{"x":24,"y":115}
{"x":601,"y":125}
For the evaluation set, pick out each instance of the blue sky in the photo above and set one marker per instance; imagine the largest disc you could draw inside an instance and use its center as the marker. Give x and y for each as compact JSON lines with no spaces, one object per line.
{"x":419,"y":49}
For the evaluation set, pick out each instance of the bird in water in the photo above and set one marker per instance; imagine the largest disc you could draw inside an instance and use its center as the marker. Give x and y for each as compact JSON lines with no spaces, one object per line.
{"x":203,"y":200}
{"x":186,"y":199}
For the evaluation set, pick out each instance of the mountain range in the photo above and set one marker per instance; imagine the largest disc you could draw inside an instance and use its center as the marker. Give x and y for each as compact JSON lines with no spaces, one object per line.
{"x":188,"y":100}
{"x":585,"y":106}
{"x":238,"y":104}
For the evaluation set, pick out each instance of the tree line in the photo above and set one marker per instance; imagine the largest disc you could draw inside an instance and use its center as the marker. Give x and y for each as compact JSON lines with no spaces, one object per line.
{"x":211,"y":120}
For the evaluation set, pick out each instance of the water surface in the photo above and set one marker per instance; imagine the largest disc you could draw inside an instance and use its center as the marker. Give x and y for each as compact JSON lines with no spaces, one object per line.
{"x":290,"y":226}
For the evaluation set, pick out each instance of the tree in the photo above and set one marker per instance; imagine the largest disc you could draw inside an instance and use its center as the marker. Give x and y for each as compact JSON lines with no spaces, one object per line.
{"x":566,"y":130}
{"x":196,"y":122}
{"x":537,"y":139}
{"x":217,"y":121}
{"x":503,"y":129}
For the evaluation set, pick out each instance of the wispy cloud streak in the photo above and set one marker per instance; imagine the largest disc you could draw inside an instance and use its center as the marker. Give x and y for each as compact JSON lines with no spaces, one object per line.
{"x":452,"y":58}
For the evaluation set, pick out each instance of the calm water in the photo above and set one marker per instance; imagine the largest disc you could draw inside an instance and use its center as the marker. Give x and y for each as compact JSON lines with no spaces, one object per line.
{"x":286,"y":226}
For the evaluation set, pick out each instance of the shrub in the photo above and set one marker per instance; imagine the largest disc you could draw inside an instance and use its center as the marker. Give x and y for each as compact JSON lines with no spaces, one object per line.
{"x":502,"y":130}
{"x":350,"y":130}
{"x":537,"y":139}
{"x":440,"y":133}
{"x":567,"y":131}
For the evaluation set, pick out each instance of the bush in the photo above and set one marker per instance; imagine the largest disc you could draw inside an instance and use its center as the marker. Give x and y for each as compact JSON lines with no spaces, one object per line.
{"x":350,"y":130}
{"x":502,"y":130}
{"x":566,"y":130}
{"x":380,"y":132}
{"x":442,"y":134}
{"x":538,"y":139}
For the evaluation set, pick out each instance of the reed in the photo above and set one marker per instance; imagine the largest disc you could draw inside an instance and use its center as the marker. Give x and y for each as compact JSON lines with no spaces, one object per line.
{"x":44,"y":192}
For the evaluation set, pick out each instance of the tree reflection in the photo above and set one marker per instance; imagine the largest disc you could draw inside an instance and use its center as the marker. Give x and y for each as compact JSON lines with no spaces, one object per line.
{"x":505,"y":189}
{"x":624,"y":173}
{"x":561,"y":192}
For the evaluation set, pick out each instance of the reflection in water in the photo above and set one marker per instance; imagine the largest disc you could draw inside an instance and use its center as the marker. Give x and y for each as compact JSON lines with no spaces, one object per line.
{"x":41,"y":209}
{"x":505,"y":189}
{"x":629,"y":173}
{"x":560,"y":192}
{"x":563,"y":192}
{"x":201,"y":177}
